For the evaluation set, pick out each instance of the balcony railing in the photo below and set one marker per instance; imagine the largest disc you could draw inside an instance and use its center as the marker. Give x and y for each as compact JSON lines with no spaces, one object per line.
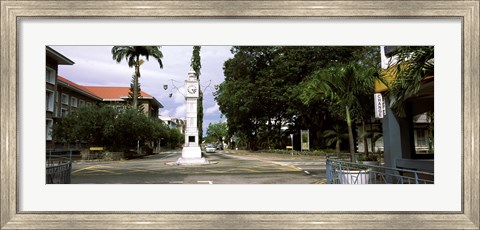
{"x":342,"y":172}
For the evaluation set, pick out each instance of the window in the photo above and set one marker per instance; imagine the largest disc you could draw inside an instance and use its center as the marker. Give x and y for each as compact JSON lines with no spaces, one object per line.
{"x":74,"y":102}
{"x":49,"y":105}
{"x":49,"y":126}
{"x":421,"y":138}
{"x":50,"y":75}
{"x":81,"y":103}
{"x":64,"y":99}
{"x":64,"y":112}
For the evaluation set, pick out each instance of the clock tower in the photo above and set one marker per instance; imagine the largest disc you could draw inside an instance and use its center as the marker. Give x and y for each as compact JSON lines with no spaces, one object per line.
{"x":191,"y":152}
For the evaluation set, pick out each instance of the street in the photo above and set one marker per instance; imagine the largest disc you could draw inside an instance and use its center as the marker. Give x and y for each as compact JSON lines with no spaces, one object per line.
{"x":226,"y":167}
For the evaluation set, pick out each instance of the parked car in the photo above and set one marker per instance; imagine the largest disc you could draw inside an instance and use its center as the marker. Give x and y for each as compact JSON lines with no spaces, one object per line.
{"x":219,"y":147}
{"x":210,"y":148}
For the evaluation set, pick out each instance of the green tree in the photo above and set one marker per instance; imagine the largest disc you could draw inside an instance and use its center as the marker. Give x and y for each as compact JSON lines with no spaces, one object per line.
{"x":90,"y":124}
{"x":335,"y":135}
{"x":132,"y":55}
{"x":175,"y":138}
{"x":261,"y":91}
{"x":411,"y":65}
{"x":262,"y":88}
{"x":217,"y":132}
{"x":340,"y":86}
{"x":196,"y":66}
{"x":131,"y":93}
{"x":132,"y":128}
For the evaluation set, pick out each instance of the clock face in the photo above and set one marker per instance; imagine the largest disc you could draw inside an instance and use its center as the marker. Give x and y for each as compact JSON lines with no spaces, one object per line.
{"x":192,"y":89}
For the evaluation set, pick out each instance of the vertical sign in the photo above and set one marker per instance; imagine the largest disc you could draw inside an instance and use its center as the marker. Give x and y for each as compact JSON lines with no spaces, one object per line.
{"x":305,"y":139}
{"x":379,"y":105}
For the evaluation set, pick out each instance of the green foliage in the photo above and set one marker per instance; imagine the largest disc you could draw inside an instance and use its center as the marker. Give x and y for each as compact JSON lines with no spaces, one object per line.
{"x":131,"y":126}
{"x":370,"y":157}
{"x":345,"y":88}
{"x":412,"y":65}
{"x":88,"y":123}
{"x":335,"y":135}
{"x":196,"y":61}
{"x":196,"y":66}
{"x":140,"y":106}
{"x":175,"y":138}
{"x":216,"y":132}
{"x":104,"y":126}
{"x":132,"y":55}
{"x":263,"y":87}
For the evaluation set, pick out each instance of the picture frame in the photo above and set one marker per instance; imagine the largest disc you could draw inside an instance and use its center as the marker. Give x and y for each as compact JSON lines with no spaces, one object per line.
{"x":11,"y":218}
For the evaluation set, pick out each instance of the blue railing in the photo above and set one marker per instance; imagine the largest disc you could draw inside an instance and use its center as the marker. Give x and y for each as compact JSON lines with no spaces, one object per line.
{"x":342,"y":172}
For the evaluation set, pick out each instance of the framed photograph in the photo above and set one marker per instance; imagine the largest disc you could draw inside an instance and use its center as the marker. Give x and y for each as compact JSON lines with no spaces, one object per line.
{"x":27,"y":27}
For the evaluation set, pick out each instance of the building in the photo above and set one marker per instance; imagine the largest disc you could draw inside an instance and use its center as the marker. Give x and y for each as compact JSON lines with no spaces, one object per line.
{"x":408,"y":140}
{"x":422,"y":135}
{"x":172,"y":122}
{"x":64,"y":96}
{"x":117,"y":96}
{"x":53,"y":60}
{"x":72,"y":96}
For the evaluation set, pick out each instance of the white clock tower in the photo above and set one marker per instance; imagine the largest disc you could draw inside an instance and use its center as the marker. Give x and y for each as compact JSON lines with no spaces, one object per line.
{"x":191,"y":152}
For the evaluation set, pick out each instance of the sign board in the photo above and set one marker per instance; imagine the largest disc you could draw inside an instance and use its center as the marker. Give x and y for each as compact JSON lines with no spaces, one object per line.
{"x":379,"y":105}
{"x":96,"y":148}
{"x":305,"y":139}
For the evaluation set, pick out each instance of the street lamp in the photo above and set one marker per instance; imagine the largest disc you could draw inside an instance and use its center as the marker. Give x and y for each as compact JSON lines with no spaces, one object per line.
{"x":291,"y":139}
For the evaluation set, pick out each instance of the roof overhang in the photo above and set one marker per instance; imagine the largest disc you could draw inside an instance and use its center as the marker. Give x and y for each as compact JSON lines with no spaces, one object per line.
{"x":61,"y":60}
{"x":390,"y":75}
{"x":74,"y":88}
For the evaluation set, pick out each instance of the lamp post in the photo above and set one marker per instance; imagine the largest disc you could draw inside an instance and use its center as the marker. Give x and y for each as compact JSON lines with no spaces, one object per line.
{"x":291,"y":139}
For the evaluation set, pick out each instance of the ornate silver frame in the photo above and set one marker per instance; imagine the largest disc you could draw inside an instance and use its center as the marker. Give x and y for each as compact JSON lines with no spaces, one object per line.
{"x":468,"y":11}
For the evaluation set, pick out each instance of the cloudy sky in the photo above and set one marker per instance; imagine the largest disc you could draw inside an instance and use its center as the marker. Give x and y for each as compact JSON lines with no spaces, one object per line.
{"x":94,"y":66}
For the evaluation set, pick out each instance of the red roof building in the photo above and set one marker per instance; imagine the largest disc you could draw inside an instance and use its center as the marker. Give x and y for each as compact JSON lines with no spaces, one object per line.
{"x":74,"y":95}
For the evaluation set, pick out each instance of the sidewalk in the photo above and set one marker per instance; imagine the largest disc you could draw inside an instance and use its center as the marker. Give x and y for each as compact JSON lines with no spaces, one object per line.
{"x":274,"y":156}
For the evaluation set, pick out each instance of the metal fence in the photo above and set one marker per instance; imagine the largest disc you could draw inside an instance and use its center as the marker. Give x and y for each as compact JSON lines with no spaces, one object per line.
{"x":58,"y":170}
{"x":342,"y":172}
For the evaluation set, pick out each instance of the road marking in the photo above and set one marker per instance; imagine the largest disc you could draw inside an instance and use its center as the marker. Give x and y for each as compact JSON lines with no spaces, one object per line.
{"x":205,"y":182}
{"x":175,"y":182}
{"x":86,"y":168}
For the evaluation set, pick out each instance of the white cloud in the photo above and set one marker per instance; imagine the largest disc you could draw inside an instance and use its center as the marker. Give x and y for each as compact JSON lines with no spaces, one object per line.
{"x":180,"y":112}
{"x":177,"y":94}
{"x":213,"y":109}
{"x":94,"y":66}
{"x":165,"y":112}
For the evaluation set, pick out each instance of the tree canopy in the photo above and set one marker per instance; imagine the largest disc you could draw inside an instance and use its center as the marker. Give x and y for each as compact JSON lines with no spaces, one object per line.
{"x":216,"y":132}
{"x":132,"y":55}
{"x":263,"y":87}
{"x":118,"y":131}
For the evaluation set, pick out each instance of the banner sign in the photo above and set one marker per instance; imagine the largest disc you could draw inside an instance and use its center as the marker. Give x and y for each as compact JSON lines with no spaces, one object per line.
{"x":379,"y":105}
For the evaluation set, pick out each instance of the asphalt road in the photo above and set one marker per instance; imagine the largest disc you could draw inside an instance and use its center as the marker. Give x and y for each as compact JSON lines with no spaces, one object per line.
{"x":226,"y":167}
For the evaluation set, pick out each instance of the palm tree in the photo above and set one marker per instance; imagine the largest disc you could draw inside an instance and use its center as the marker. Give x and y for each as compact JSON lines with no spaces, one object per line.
{"x":132,"y":56}
{"x":341,"y":86}
{"x":335,"y":135}
{"x":411,"y":65}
